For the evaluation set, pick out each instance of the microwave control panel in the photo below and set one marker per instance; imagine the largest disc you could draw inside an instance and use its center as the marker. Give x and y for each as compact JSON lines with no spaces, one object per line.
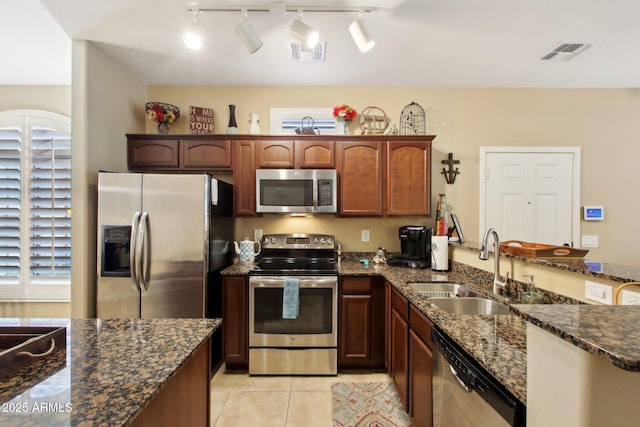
{"x":325,"y":192}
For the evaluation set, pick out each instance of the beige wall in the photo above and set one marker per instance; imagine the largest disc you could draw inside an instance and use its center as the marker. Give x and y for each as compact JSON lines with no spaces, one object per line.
{"x":603,"y":122}
{"x":56,"y":99}
{"x":105,"y":99}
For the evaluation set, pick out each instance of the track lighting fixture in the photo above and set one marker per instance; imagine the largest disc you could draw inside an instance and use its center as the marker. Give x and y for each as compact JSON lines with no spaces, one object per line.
{"x":304,"y":33}
{"x":247,"y":35}
{"x":360,"y":35}
{"x":192,"y":37}
{"x":299,"y":30}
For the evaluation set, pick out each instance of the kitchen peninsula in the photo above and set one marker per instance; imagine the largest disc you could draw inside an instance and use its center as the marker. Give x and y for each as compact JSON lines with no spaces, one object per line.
{"x":115,"y":372}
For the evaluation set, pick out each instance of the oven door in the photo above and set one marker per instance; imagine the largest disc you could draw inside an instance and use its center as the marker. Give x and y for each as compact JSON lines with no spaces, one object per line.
{"x":316,"y":324}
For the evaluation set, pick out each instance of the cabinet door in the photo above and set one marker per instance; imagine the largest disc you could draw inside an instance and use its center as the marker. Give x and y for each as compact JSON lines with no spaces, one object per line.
{"x":206,"y":154}
{"x":315,"y":154}
{"x":408,"y":178}
{"x":420,"y":363}
{"x":361,"y":344}
{"x":399,"y":336}
{"x":152,"y":154}
{"x":244,"y":179}
{"x":355,"y":331}
{"x":399,"y":355}
{"x":420,"y":392}
{"x":275,"y":154}
{"x":360,"y":170}
{"x":235,"y":328}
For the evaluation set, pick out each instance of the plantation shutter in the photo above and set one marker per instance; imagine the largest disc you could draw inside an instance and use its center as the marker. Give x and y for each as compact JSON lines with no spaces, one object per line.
{"x":50,"y":203}
{"x":35,"y":206}
{"x":10,"y":170}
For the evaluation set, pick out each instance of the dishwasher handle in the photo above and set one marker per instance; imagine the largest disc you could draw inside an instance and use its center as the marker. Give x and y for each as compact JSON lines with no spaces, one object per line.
{"x":461,"y":383}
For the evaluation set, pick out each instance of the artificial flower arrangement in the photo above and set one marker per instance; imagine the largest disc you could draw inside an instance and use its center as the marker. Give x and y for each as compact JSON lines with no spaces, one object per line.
{"x":344,"y":112}
{"x":161,"y":112}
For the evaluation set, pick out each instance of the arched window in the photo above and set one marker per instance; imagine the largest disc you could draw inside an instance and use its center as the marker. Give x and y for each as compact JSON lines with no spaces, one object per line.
{"x":35,"y":205}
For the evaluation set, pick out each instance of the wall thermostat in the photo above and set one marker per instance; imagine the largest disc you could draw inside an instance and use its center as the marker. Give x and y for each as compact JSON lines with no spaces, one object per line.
{"x":593,"y":213}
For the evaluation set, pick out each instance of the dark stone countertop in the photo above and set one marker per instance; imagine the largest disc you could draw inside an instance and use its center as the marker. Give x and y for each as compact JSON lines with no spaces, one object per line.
{"x":498,"y":343}
{"x":110,"y":372}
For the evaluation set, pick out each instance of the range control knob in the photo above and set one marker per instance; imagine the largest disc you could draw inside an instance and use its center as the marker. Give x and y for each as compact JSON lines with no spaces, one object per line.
{"x":329,"y":241}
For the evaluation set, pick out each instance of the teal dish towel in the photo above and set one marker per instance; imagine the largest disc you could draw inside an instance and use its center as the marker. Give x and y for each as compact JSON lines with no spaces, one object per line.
{"x":291,"y":298}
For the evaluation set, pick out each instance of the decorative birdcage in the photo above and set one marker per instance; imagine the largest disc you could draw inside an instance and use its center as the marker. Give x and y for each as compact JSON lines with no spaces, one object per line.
{"x":412,"y":120}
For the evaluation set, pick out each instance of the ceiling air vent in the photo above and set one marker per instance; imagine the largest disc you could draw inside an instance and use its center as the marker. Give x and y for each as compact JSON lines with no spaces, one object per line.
{"x":565,"y":52}
{"x":299,"y":54}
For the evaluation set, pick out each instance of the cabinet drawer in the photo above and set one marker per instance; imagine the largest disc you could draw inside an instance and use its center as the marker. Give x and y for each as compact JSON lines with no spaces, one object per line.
{"x":420,"y":324}
{"x":356,"y":285}
{"x":399,"y":303}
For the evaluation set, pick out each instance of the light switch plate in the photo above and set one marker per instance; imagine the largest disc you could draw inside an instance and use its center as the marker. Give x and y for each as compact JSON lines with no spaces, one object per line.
{"x":598,"y":292}
{"x":365,"y":235}
{"x":589,"y":241}
{"x":629,"y":297}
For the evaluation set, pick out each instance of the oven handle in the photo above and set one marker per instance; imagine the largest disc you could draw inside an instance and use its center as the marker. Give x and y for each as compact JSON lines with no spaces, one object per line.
{"x":305,"y":281}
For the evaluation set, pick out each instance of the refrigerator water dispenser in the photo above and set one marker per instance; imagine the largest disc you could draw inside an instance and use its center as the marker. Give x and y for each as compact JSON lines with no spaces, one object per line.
{"x":115,"y":251}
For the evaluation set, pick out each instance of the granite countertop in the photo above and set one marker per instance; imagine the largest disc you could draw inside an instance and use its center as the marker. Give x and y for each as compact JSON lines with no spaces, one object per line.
{"x":110,"y":372}
{"x":498,"y":343}
{"x":610,"y":332}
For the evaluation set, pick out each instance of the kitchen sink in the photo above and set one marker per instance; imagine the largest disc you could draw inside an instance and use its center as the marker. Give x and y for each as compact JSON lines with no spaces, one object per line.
{"x":441,"y":290}
{"x":470,"y":305}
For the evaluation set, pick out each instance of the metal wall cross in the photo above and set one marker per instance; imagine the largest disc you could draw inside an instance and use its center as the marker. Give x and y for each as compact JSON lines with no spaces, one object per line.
{"x":450,"y":174}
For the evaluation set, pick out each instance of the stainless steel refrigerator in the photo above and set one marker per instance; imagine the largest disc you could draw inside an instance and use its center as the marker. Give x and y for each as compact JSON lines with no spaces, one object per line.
{"x":161,"y":240}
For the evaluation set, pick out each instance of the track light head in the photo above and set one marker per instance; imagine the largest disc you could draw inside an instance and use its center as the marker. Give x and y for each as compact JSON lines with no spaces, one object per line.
{"x":304,"y":33}
{"x":192,"y":37}
{"x":247,"y":35}
{"x":360,"y":35}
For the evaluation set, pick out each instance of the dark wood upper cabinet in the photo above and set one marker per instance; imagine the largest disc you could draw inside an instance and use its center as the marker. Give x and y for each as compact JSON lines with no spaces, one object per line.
{"x":315,"y":154}
{"x":361,"y":172}
{"x":275,"y":154}
{"x":206,"y":154}
{"x":244,"y":178}
{"x":408,"y":190}
{"x":153,"y":154}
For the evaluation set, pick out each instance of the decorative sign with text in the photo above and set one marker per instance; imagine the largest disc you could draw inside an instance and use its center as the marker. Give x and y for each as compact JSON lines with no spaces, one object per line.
{"x":201,"y":121}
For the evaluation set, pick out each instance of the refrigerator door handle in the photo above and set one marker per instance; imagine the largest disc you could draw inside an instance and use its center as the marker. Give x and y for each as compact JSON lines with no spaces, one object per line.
{"x":143,"y":250}
{"x":132,"y":251}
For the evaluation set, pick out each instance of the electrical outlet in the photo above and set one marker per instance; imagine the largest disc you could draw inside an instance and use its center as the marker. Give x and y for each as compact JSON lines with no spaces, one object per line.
{"x":365,"y":235}
{"x":598,"y":292}
{"x":257,"y":234}
{"x":628,"y":297}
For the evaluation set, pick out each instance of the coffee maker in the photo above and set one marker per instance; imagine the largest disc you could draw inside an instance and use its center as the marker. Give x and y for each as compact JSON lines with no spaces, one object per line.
{"x":415,"y":247}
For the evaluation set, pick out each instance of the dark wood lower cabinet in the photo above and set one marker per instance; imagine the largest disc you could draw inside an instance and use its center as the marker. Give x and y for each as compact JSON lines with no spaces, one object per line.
{"x":185,"y":399}
{"x":361,"y":337}
{"x":399,"y":336}
{"x":235,"y":322}
{"x":420,"y":364}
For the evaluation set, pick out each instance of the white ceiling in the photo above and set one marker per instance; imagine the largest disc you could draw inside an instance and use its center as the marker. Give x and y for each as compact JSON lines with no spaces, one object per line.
{"x":460,"y":43}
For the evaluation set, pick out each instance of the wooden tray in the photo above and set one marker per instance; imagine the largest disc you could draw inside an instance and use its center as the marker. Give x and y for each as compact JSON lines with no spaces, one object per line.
{"x":21,"y":346}
{"x":539,"y":250}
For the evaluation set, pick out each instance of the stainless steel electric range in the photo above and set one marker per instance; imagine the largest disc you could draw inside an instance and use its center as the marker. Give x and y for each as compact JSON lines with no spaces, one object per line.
{"x":304,"y":344}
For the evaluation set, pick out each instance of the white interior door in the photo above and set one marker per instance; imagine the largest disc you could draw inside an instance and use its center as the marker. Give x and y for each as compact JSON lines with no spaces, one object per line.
{"x":531,"y":194}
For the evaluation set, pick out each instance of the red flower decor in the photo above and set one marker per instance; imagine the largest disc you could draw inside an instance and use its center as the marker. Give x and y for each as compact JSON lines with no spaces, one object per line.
{"x":161,"y":112}
{"x":344,"y":112}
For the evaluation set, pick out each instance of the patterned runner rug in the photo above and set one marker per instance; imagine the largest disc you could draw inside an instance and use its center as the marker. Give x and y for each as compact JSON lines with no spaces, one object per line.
{"x":367,"y":405}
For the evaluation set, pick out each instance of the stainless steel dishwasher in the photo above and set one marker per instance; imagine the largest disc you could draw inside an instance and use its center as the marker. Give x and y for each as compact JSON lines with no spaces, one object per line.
{"x":465,"y":394}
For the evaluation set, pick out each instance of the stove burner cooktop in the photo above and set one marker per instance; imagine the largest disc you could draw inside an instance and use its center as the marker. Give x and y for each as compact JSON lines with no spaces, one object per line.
{"x":296,"y":254}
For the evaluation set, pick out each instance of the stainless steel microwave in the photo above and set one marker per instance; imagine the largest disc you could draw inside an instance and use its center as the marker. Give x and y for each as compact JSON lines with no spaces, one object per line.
{"x":296,"y":191}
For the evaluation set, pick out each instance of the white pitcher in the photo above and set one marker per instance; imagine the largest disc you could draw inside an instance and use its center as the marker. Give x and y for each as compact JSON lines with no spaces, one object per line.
{"x":246,"y":250}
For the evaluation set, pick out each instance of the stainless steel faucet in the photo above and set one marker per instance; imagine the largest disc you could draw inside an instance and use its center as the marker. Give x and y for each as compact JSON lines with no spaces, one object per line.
{"x":498,"y":283}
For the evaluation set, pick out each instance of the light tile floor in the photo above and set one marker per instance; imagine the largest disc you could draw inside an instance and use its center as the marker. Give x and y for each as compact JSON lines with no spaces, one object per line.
{"x":241,"y":400}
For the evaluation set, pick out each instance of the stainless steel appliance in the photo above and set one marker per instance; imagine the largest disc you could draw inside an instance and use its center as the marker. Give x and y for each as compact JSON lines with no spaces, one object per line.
{"x":162,"y":240}
{"x":306,"y":344}
{"x":465,"y":394}
{"x":415,"y":247}
{"x":296,"y":190}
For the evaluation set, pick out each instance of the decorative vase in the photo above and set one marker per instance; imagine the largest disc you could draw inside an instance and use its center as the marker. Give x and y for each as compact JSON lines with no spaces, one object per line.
{"x":163,"y":128}
{"x":233,"y":125}
{"x":344,"y":127}
{"x":254,"y":128}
